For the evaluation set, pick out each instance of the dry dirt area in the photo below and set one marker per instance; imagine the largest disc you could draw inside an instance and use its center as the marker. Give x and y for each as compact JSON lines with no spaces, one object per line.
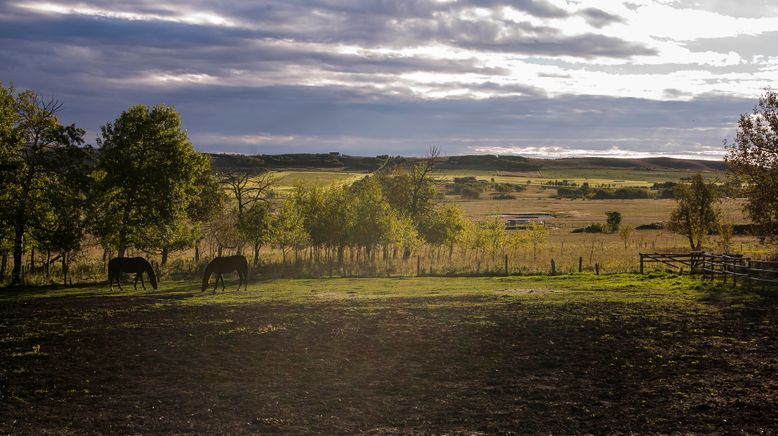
{"x":491,"y":364}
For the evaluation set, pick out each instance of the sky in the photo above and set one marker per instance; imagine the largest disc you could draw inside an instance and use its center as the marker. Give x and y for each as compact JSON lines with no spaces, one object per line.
{"x":545,"y":78}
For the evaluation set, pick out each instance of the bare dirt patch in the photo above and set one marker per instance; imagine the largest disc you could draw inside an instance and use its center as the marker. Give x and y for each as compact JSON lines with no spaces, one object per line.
{"x":470,"y":364}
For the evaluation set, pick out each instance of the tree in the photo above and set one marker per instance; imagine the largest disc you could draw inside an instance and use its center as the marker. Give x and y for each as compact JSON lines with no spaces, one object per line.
{"x":256,"y":227}
{"x":625,"y":232}
{"x":147,"y":171}
{"x":288,"y":228}
{"x":411,"y":191}
{"x":33,"y":146}
{"x":613,"y":220}
{"x":536,"y":235}
{"x":753,"y":160}
{"x":10,"y":161}
{"x":248,"y":188}
{"x":696,"y":214}
{"x":205,"y":206}
{"x":725,"y":230}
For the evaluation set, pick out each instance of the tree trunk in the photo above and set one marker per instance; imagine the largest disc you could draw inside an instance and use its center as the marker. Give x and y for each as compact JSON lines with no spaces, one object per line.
{"x":197,"y":251}
{"x":48,"y":262}
{"x":256,"y":254}
{"x":32,"y":259}
{"x":65,"y":268}
{"x":165,"y":251}
{"x":3,"y":265}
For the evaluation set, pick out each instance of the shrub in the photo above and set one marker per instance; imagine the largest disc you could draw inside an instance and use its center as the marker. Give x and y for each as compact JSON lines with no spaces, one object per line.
{"x":470,"y":192}
{"x":592,"y":228}
{"x":569,"y":193}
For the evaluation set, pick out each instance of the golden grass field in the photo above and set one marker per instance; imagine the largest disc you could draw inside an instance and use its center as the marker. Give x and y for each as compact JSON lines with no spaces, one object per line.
{"x":565,"y":247}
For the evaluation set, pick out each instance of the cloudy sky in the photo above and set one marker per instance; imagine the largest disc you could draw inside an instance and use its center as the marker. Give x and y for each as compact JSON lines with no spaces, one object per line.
{"x":366,"y":77}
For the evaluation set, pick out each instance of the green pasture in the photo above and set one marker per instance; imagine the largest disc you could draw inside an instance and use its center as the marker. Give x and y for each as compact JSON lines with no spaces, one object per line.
{"x":662,"y":288}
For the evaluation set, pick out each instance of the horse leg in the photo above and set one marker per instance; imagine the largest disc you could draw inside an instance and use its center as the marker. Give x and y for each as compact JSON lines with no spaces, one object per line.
{"x":222,"y":277}
{"x":141,"y":281}
{"x":119,"y":282}
{"x":240,"y":279}
{"x":216,"y":283}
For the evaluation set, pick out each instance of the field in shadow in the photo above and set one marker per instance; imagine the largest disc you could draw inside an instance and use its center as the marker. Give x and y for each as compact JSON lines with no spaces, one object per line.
{"x":480,"y":363}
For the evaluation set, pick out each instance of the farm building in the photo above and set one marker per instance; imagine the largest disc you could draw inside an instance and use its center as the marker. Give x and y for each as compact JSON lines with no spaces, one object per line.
{"x":515,"y":220}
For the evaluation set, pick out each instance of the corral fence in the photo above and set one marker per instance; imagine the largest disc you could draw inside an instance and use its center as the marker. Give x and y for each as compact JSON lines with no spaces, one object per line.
{"x":729,"y":268}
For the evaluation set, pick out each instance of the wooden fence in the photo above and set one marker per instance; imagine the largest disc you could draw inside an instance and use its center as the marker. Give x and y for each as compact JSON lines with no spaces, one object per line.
{"x":730,"y":268}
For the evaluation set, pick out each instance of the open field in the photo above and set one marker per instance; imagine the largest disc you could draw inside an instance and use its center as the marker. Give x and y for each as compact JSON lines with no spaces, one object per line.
{"x":562,"y":354}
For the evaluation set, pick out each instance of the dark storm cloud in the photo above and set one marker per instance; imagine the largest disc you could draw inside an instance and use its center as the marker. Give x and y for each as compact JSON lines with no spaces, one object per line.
{"x":99,"y":66}
{"x":384,"y":23}
{"x":325,"y":119}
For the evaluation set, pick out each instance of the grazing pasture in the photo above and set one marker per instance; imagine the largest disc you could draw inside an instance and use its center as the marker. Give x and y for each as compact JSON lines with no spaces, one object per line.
{"x":569,"y":353}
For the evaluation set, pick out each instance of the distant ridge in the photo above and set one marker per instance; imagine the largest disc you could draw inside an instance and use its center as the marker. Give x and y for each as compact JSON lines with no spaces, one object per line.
{"x":337,"y":161}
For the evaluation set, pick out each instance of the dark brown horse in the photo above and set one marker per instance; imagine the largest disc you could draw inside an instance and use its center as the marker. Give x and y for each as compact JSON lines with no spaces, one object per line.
{"x":222,"y":265}
{"x":137,"y":265}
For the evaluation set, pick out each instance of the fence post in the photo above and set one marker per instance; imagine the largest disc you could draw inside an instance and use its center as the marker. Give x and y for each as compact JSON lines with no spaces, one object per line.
{"x":553,"y":267}
{"x":748,"y":275}
{"x":641,"y":263}
{"x":597,"y":269}
{"x":506,"y":265}
{"x":580,"y":264}
{"x":418,"y":266}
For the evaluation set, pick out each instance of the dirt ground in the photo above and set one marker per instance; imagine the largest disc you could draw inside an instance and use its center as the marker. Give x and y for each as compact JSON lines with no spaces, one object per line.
{"x":490,"y":364}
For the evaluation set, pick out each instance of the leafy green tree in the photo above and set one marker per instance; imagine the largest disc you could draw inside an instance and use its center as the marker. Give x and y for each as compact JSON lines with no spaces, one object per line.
{"x":373,"y":216}
{"x":410,"y":190}
{"x":288,"y":228}
{"x":10,"y":161}
{"x":256,"y":227}
{"x":625,"y":233}
{"x":613,"y":220}
{"x":205,"y":206}
{"x":753,"y":161}
{"x":536,"y":235}
{"x":224,"y":229}
{"x":147,"y":172}
{"x":336,"y":220}
{"x":444,"y":226}
{"x":33,"y":146}
{"x":696,"y":214}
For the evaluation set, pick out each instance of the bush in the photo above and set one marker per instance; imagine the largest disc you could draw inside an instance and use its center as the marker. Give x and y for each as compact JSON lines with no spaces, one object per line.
{"x":569,"y":193}
{"x":470,"y":192}
{"x":652,"y":226}
{"x":508,"y":187}
{"x":502,"y":196}
{"x":592,"y":228}
{"x":620,"y":194}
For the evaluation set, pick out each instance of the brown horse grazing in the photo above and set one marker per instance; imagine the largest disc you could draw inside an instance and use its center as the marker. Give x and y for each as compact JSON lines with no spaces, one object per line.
{"x":137,"y":265}
{"x":221,"y":265}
